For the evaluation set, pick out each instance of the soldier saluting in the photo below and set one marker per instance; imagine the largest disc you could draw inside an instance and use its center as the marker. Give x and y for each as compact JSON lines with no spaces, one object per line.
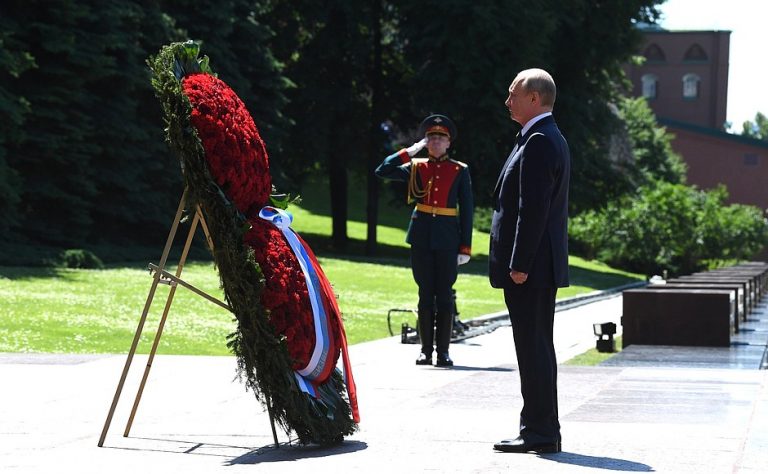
{"x":440,"y":231}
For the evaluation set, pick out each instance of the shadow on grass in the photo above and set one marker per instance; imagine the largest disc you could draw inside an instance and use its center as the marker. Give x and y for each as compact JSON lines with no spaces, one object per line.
{"x":597,"y":279}
{"x":30,"y":273}
{"x":399,"y":256}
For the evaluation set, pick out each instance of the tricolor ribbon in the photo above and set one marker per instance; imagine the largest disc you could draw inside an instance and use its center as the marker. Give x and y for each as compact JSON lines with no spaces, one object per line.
{"x":324,"y":306}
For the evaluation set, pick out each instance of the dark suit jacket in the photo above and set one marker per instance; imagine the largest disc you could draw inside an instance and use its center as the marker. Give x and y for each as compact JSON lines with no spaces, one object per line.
{"x":529,"y":230}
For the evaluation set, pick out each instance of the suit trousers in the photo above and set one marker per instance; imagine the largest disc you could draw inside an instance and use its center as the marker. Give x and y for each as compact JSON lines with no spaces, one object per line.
{"x":532,"y":314}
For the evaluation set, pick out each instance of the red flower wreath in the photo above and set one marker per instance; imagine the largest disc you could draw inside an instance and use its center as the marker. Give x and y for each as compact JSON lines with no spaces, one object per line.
{"x":239,"y":164}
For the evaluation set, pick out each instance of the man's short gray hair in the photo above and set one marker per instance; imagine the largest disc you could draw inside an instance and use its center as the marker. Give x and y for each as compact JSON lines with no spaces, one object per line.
{"x":538,"y":80}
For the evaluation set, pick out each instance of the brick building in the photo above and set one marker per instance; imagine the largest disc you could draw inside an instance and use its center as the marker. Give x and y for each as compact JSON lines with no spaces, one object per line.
{"x":685,"y":79}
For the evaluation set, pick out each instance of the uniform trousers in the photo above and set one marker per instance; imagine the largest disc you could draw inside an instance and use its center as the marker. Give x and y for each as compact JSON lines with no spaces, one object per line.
{"x":435,"y":272}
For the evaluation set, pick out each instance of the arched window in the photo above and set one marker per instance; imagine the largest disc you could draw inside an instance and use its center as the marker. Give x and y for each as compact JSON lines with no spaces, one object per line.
{"x":649,"y":85}
{"x":654,"y":53}
{"x":695,"y":53}
{"x":691,"y":84}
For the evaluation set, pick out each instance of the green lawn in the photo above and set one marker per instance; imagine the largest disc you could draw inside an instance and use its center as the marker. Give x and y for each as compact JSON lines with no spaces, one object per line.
{"x":86,"y":311}
{"x":97,"y":311}
{"x":593,"y":357}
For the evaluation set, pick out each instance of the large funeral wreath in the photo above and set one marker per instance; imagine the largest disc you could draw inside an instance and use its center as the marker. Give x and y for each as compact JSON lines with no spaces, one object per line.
{"x":289,"y":332}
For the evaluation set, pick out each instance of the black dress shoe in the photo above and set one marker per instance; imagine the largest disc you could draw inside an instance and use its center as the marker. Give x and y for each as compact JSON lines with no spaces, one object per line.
{"x":519,"y":445}
{"x":443,"y":360}
{"x":424,"y":359}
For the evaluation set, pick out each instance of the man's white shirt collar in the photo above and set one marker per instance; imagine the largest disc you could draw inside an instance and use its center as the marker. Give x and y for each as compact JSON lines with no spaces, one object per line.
{"x":533,"y":121}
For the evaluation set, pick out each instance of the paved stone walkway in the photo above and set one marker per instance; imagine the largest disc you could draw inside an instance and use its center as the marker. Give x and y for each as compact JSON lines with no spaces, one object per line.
{"x":194,"y":418}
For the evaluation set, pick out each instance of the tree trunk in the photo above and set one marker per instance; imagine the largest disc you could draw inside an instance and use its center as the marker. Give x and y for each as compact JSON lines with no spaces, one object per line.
{"x":337,"y":179}
{"x":372,"y":208}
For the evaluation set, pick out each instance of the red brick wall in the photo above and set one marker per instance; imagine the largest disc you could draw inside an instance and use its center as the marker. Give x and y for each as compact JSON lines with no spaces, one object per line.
{"x":709,"y":109}
{"x":716,"y":158}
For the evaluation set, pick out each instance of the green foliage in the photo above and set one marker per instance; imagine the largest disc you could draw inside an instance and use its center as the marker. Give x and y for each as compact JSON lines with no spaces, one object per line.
{"x":82,"y":155}
{"x":79,"y":258}
{"x":482,"y":220}
{"x":651,"y":144}
{"x":589,"y":79}
{"x":669,"y":227}
{"x":757,"y":129}
{"x":462,"y":59}
{"x":87,"y":160}
{"x":13,"y":109}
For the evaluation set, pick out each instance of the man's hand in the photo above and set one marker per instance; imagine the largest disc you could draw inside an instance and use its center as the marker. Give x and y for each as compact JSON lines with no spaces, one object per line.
{"x":518,"y":277}
{"x":462,"y":258}
{"x":416,"y":147}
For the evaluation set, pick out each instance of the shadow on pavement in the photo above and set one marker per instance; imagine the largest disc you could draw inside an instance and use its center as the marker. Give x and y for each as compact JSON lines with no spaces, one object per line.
{"x":291,"y":452}
{"x":482,"y":369}
{"x":599,"y":462}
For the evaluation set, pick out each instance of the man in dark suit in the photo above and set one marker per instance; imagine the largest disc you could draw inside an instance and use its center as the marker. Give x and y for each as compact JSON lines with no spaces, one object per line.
{"x":528,"y":255}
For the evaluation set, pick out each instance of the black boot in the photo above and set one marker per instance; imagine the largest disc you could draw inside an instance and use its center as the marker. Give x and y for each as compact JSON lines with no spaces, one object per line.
{"x":427,"y":336}
{"x":443,"y":337}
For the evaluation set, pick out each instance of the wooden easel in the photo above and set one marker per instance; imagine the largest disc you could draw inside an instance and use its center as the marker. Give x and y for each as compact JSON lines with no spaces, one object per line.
{"x":161,"y":276}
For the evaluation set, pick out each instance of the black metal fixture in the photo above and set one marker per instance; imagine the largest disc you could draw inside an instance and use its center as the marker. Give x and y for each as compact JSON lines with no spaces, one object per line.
{"x":604,"y":333}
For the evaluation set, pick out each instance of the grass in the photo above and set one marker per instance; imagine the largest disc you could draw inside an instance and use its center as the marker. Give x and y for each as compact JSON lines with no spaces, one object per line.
{"x":97,"y":311}
{"x":593,"y":357}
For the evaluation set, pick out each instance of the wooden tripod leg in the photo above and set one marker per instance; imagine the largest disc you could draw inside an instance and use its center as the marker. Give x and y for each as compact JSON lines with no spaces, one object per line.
{"x":205,"y":229}
{"x":142,"y":320}
{"x":160,"y":327}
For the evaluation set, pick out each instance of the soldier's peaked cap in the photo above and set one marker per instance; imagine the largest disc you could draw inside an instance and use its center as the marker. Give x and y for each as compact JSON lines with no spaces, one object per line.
{"x":437,"y":123}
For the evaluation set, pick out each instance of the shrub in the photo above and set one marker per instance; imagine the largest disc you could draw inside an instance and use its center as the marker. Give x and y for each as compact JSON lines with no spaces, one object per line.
{"x":482,"y":219}
{"x":669,"y":227}
{"x":79,"y":258}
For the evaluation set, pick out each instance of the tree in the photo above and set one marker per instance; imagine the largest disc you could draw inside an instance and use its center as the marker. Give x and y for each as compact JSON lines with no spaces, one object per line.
{"x":464,"y":58}
{"x":89,"y":159}
{"x":90,"y":165}
{"x":327,"y":51}
{"x":590,"y":77}
{"x":54,"y":158}
{"x":136,"y":182}
{"x":377,"y":118}
{"x":651,"y":145}
{"x":14,"y":60}
{"x":757,"y":129}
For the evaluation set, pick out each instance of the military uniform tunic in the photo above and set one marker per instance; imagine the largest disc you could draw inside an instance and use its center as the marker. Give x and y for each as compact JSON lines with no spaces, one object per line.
{"x":441,"y":223}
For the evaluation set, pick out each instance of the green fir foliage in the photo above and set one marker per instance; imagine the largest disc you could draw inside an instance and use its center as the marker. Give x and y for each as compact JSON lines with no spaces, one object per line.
{"x":14,"y":60}
{"x":82,"y":159}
